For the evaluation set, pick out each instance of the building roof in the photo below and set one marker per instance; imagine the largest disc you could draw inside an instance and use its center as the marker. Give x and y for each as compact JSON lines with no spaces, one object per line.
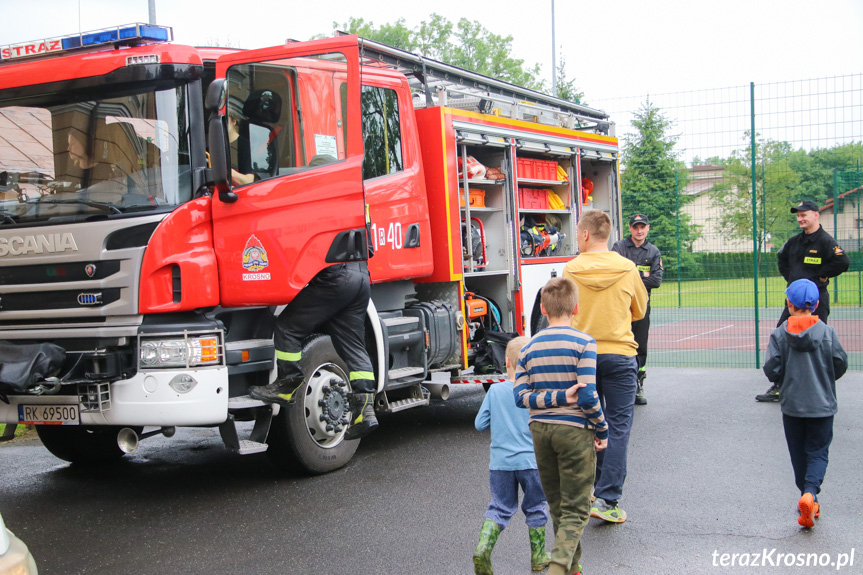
{"x":22,"y":143}
{"x":844,"y":196}
{"x":702,"y":179}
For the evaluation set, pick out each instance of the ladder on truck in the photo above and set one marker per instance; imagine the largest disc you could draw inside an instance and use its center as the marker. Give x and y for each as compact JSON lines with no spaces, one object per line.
{"x":435,"y":83}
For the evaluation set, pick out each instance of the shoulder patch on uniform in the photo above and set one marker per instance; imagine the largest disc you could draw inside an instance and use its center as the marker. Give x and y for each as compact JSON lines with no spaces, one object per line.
{"x":660,"y":264}
{"x":838,"y":250}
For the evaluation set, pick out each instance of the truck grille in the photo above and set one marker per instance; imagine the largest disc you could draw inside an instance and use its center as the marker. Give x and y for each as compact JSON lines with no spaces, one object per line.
{"x":59,"y":273}
{"x":99,"y":278}
{"x":65,"y":299}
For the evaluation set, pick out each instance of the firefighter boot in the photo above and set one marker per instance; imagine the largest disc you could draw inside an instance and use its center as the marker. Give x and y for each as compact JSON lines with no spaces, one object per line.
{"x":363,"y":420}
{"x":639,"y":393}
{"x":482,"y":554}
{"x":539,"y":557}
{"x":282,"y":391}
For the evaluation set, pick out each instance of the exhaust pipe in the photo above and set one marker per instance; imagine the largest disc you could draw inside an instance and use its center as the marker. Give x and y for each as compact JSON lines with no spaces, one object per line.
{"x":437,"y":390}
{"x":128,"y":439}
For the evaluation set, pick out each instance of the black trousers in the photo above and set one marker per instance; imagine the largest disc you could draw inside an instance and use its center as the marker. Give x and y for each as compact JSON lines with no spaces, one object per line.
{"x":639,"y":330}
{"x":335,"y":302}
{"x":822,"y":311}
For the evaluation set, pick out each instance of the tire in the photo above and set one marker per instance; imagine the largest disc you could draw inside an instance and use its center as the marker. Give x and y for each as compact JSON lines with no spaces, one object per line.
{"x":82,"y":444}
{"x":298,"y":440}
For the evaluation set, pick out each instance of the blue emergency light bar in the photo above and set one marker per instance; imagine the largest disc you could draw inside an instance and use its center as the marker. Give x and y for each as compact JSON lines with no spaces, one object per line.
{"x":126,"y":35}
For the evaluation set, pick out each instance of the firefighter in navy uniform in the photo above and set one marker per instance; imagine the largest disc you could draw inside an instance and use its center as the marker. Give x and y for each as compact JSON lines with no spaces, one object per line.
{"x":648,"y":262}
{"x":812,"y":254}
{"x":337,"y":298}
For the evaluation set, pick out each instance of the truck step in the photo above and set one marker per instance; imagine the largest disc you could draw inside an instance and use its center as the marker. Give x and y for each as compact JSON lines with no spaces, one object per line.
{"x":401,"y":320}
{"x":245,"y":402}
{"x":403,"y":372}
{"x":403,"y":404}
{"x":248,"y":447}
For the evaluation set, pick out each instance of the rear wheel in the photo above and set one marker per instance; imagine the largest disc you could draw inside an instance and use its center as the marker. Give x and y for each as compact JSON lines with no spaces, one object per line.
{"x":81,"y":444}
{"x":309,"y":436}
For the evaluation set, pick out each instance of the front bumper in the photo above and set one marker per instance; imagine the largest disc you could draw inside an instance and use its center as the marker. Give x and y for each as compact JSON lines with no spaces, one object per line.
{"x":146,"y":399}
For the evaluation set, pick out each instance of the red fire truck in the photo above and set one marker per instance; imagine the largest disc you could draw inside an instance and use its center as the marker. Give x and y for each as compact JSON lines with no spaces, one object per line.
{"x":159,"y":204}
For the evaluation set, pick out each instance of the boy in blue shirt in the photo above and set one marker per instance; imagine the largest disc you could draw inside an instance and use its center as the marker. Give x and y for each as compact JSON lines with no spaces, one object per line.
{"x":512,"y":463}
{"x":556,"y":379}
{"x":805,"y":358}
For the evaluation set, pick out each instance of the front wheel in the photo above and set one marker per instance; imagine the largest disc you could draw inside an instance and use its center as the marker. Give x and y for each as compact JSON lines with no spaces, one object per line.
{"x":81,"y":444}
{"x":309,"y":436}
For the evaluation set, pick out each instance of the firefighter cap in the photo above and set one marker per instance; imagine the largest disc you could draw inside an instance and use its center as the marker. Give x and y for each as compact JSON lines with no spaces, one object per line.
{"x":805,"y":206}
{"x":639,"y":219}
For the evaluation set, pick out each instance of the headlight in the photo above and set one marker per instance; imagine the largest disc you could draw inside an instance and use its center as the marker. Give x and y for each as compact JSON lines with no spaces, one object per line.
{"x":188,"y":350}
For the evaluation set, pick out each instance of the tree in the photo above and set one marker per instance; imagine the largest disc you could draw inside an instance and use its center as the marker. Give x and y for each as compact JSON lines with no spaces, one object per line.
{"x":396,"y":35}
{"x":783,"y":177}
{"x":775,"y":189}
{"x":466,"y":44}
{"x":651,"y":184}
{"x":566,"y":89}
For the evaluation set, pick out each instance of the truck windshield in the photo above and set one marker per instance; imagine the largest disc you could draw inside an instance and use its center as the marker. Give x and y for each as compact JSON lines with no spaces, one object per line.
{"x":73,"y":158}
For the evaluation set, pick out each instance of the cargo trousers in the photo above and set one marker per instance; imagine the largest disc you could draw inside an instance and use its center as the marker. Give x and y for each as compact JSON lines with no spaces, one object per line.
{"x":641,"y":331}
{"x":566,"y":458}
{"x":335,"y":301}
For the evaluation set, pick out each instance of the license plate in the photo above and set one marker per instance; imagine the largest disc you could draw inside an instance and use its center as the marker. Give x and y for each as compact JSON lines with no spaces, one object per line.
{"x":48,"y":415}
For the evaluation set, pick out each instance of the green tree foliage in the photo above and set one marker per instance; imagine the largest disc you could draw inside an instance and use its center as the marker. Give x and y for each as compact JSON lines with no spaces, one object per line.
{"x":783,"y":178}
{"x":466,"y":44}
{"x":397,"y":34}
{"x":566,"y":89}
{"x":650,"y":182}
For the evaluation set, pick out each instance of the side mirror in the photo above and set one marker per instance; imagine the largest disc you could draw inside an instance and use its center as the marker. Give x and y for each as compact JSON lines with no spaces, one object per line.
{"x":217,"y":139}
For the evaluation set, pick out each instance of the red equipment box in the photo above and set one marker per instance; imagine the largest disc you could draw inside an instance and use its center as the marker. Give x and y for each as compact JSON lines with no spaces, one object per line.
{"x":546,"y":169}
{"x":532,"y":199}
{"x":526,"y":168}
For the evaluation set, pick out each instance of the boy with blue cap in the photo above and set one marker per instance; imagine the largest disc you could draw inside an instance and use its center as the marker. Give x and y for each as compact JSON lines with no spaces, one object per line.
{"x":805,"y":358}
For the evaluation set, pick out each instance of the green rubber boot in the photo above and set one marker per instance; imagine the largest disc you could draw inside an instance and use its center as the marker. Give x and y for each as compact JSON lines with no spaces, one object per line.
{"x":539,"y":557}
{"x":482,"y":554}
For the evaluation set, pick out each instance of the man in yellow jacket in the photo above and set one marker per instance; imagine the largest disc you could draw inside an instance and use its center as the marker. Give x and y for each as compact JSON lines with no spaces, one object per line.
{"x":612,"y":296}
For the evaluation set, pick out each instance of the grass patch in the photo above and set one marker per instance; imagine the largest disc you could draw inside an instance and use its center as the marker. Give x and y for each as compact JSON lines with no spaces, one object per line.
{"x":740,"y":292}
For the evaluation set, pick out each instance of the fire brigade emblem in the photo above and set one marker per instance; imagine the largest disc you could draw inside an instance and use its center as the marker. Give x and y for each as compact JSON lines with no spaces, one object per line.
{"x":254,"y":256}
{"x":90,"y":270}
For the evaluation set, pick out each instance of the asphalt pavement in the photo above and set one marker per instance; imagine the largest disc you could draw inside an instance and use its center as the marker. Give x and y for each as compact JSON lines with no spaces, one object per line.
{"x":709,"y":475}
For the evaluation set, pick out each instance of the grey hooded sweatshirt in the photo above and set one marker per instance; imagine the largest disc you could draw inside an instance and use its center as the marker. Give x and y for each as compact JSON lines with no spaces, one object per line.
{"x":806,"y":360}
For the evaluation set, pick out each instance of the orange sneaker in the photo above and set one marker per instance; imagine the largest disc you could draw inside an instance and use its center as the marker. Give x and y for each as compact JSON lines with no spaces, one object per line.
{"x":817,"y":510}
{"x":808,"y":508}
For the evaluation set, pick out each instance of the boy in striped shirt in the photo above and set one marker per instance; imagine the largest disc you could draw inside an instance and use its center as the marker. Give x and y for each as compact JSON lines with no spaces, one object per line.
{"x":556,"y":379}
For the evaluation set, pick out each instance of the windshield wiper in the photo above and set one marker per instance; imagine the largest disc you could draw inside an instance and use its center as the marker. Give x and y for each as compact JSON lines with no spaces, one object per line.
{"x":105,"y":207}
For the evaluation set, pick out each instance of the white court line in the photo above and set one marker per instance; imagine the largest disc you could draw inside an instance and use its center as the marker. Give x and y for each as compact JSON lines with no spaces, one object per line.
{"x":705,"y":333}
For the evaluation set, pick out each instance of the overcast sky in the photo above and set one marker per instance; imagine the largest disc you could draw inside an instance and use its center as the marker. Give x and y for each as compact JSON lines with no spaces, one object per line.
{"x":613,"y":49}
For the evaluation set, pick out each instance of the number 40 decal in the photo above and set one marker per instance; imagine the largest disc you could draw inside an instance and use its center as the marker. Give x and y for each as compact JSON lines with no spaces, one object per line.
{"x":391,"y":235}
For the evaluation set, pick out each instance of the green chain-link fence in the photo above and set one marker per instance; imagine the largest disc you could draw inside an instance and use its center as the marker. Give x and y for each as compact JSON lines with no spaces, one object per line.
{"x":722,"y":293}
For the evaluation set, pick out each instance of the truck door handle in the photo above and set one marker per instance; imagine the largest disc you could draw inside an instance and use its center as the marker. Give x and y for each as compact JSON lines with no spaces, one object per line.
{"x":412,"y":236}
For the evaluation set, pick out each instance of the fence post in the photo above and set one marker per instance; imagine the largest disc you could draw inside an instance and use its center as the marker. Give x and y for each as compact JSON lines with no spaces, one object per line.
{"x":677,"y":199}
{"x":764,"y":227}
{"x":754,"y":220}
{"x":835,"y":230}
